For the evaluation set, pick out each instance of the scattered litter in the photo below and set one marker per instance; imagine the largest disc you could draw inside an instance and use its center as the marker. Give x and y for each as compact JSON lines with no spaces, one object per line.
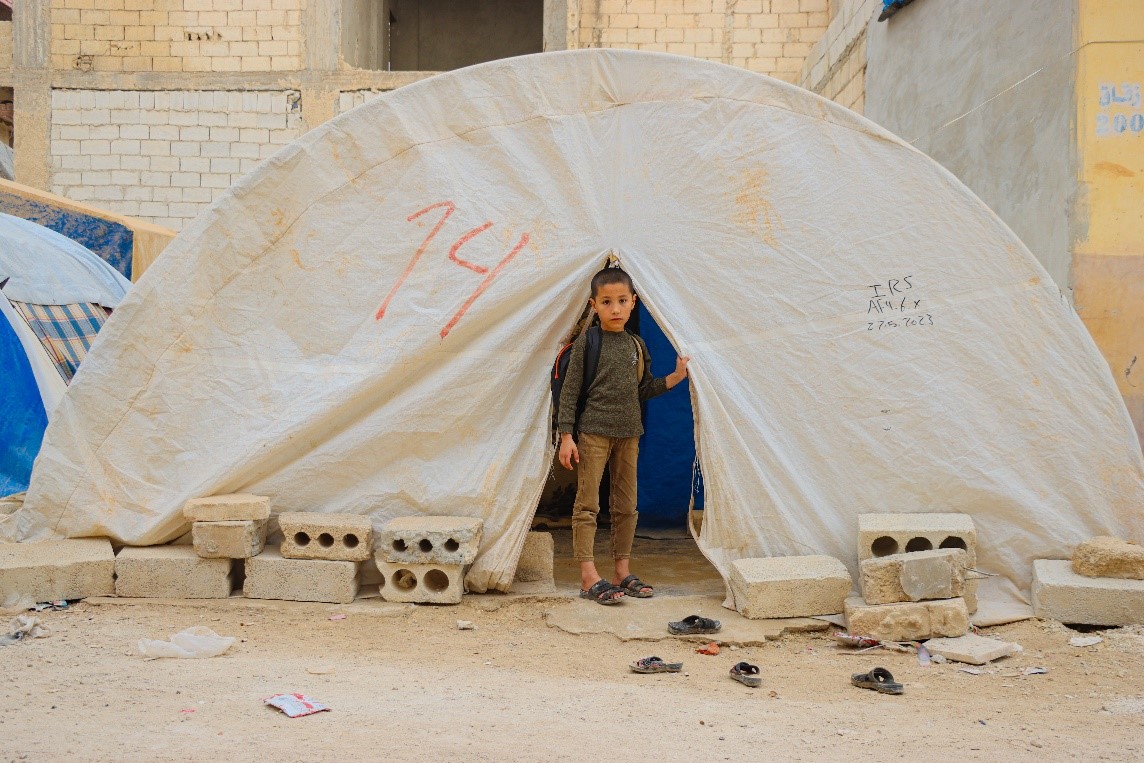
{"x":55,"y":606}
{"x":337,"y":617}
{"x":187,"y":710}
{"x":196,"y":641}
{"x":923,"y":655}
{"x":773,"y":694}
{"x":1085,"y":640}
{"x":466,"y":625}
{"x":1034,"y":671}
{"x":847,"y":639}
{"x":972,"y":671}
{"x":321,"y":670}
{"x":938,"y":659}
{"x":24,"y":627}
{"x":711,"y":649}
{"x":295,"y":705}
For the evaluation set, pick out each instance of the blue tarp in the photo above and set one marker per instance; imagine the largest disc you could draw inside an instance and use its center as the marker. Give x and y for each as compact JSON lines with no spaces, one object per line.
{"x":111,"y":241}
{"x":22,"y":416}
{"x":667,"y":449}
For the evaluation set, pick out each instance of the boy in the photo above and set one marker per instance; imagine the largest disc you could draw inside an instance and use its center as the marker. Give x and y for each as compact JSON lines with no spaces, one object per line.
{"x":608,"y":432}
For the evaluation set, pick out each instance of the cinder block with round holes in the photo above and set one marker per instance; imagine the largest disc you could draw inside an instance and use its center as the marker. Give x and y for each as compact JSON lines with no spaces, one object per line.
{"x":421,"y":583}
{"x":333,"y":537}
{"x":888,"y":534}
{"x":430,"y":540}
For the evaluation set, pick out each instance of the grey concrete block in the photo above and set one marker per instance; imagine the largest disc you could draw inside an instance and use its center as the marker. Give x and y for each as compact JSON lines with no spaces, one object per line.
{"x":907,"y":621}
{"x":333,"y":537}
{"x":57,"y":569}
{"x":938,"y":574}
{"x":972,"y":649}
{"x":1061,"y":594}
{"x":271,"y":576}
{"x":226,"y":508}
{"x":421,"y":583}
{"x":430,"y":540}
{"x":888,"y":534}
{"x":536,"y":559}
{"x":238,"y":539}
{"x":1105,"y":557}
{"x":170,"y":572}
{"x":789,"y":586}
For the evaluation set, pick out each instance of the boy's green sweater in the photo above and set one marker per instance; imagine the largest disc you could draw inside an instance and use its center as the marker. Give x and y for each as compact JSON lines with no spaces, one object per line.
{"x":613,"y":405}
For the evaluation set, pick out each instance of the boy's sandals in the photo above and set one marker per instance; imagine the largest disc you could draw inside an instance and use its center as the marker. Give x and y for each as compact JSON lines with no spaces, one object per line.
{"x":603,"y":592}
{"x":694,"y":624}
{"x":633,"y":586}
{"x":655,"y":665}
{"x":747,"y":674}
{"x":878,"y":679}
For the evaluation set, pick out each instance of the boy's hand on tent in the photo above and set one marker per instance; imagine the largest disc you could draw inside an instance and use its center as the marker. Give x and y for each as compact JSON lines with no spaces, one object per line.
{"x":568,"y":451}
{"x":680,"y":372}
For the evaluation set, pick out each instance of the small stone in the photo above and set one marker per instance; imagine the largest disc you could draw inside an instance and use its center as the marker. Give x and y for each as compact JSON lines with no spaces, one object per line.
{"x":466,"y":625}
{"x":1105,"y":557}
{"x":971,"y":649}
{"x":1085,"y":640}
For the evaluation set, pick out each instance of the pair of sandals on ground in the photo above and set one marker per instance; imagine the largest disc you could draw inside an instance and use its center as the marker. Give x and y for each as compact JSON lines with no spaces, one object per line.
{"x":605,"y":592}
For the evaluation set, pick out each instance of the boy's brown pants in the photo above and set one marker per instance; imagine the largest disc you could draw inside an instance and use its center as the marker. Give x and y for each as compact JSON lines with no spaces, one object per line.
{"x":619,"y":455}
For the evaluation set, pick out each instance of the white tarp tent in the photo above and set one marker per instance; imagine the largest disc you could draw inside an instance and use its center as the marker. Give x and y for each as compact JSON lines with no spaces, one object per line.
{"x":366,"y":323}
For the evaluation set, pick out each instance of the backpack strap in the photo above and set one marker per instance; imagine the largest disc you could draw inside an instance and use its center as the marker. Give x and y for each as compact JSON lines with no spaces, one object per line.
{"x":642,"y":362}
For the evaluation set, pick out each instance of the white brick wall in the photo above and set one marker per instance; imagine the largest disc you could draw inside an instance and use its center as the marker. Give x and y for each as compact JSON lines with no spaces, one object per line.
{"x":836,"y":66}
{"x":351,"y":99}
{"x":163,"y":155}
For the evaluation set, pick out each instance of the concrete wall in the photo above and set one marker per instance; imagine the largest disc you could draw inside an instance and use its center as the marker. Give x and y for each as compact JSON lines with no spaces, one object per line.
{"x":5,"y":45}
{"x":835,"y":68}
{"x":990,"y":95}
{"x":766,"y":36}
{"x":365,"y":33}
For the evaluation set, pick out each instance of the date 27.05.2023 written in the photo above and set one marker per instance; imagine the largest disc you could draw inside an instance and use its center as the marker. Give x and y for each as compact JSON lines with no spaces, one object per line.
{"x":909,"y":320}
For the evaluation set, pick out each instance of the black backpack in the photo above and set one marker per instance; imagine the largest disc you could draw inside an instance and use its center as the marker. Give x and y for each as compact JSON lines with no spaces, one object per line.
{"x":560,"y":370}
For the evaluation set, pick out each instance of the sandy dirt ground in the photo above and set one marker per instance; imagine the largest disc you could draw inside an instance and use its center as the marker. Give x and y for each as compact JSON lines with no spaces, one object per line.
{"x":405,"y":684}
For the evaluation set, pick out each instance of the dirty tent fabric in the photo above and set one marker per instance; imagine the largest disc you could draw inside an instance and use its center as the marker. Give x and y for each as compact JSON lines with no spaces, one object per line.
{"x":366,"y":322}
{"x":53,"y":299}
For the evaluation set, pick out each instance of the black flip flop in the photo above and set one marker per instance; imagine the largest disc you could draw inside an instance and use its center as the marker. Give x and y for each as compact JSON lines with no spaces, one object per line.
{"x":603,"y":592}
{"x":879,"y":680}
{"x":655,"y":665}
{"x":747,"y":674}
{"x":693,"y":624}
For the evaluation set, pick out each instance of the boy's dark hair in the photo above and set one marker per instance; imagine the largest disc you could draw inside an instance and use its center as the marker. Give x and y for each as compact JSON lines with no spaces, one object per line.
{"x":609,"y":276}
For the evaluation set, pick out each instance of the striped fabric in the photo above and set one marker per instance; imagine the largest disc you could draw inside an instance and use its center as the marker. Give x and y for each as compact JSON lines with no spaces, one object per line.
{"x":66,"y":331}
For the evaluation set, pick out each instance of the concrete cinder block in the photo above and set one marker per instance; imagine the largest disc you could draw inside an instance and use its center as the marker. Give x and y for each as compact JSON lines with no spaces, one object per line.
{"x":789,"y":586}
{"x":225,"y":508}
{"x":938,"y":574}
{"x":535,"y":564}
{"x":57,"y":569}
{"x":972,"y":649}
{"x":431,"y":540}
{"x":170,"y":572}
{"x":421,"y":583}
{"x":907,"y":621}
{"x":271,"y":576}
{"x":1061,"y":594}
{"x":239,"y":539}
{"x":888,"y":534}
{"x":1105,"y":557}
{"x":333,"y":537}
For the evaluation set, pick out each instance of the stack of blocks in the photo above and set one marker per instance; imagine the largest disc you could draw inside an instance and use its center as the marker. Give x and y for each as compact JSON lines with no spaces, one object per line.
{"x":423,"y":559}
{"x":317,"y":561}
{"x":913,"y":575}
{"x":1103,"y":585}
{"x":223,"y":527}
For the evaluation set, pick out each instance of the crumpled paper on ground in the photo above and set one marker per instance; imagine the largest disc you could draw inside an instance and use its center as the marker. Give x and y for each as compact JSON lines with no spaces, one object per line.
{"x":194,"y":642}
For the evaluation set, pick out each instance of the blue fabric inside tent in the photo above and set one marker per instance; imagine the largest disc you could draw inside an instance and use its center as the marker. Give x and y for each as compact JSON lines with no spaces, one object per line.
{"x":22,"y":416}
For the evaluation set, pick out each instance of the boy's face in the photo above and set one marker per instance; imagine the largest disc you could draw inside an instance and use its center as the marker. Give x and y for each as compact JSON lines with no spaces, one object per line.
{"x":614,"y":303}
